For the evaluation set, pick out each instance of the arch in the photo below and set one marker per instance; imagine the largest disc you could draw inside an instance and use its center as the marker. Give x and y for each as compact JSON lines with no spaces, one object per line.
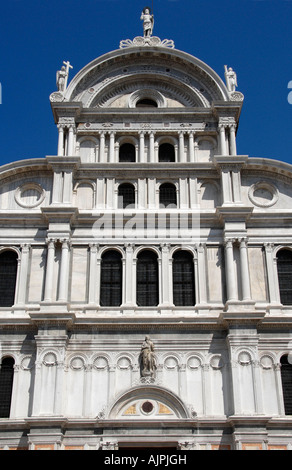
{"x":84,"y":194}
{"x":284,"y":267}
{"x":183,"y":279}
{"x":147,"y":279}
{"x":126,"y":196}
{"x":151,"y":394}
{"x":166,"y":153}
{"x":209,"y":194}
{"x":86,"y":147}
{"x":146,"y":98}
{"x":127,"y":153}
{"x":6,"y":385}
{"x":8,"y":274}
{"x":286,"y":376}
{"x":111,"y":278}
{"x":165,"y":66}
{"x":167,"y":195}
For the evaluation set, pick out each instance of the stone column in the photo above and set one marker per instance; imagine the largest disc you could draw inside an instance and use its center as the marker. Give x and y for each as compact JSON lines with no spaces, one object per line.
{"x":182,"y":195}
{"x":142,"y":193}
{"x":201,"y":270}
{"x":112,"y":147}
{"x":191,"y":148}
{"x":244,"y":270}
{"x":37,"y":388}
{"x":92,"y":282}
{"x":226,"y":186}
{"x":49,"y":270}
{"x":222,"y":139}
{"x":236,"y":185}
{"x":102,"y":148}
{"x":61,"y":140}
{"x":57,"y":195}
{"x":100,"y":195}
{"x":182,"y":381}
{"x":181,"y":148}
{"x":87,"y":391}
{"x":196,"y":151}
{"x":64,"y":271}
{"x":151,"y":193}
{"x":151,"y":147}
{"x":71,"y":141}
{"x":165,"y":271}
{"x":279,"y":388}
{"x":58,"y":401}
{"x":129,"y":285}
{"x":16,"y":391}
{"x":142,"y":148}
{"x":68,"y":186}
{"x":233,"y":150}
{"x":230,"y":271}
{"x":23,"y":275}
{"x":273,"y":285}
{"x":258,"y":392}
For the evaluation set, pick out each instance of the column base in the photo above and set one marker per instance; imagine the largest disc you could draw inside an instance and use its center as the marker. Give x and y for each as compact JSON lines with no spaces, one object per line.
{"x":239,"y":305}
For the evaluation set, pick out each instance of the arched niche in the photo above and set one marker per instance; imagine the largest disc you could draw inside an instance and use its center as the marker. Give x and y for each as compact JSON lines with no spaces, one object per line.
{"x":150,"y":402}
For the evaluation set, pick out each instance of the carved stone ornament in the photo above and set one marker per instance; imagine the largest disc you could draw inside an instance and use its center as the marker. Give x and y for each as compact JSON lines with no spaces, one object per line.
{"x":56,"y":97}
{"x":236,"y":96}
{"x":153,"y":41}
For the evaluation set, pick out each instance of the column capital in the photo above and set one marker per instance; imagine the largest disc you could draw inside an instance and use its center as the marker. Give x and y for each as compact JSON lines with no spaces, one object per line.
{"x":269,"y":247}
{"x":25,"y":247}
{"x":94,"y":247}
{"x":165,"y":247}
{"x":229,"y":242}
{"x":129,"y":247}
{"x":50,"y":241}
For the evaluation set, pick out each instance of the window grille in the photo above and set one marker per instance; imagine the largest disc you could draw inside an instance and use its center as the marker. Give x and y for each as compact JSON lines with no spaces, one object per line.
{"x":6,"y":384}
{"x":8,"y":271}
{"x":167,"y":195}
{"x":183,"y":279}
{"x":166,"y":153}
{"x":127,"y":153}
{"x":286,"y":375}
{"x":126,"y":195}
{"x":147,"y":279}
{"x":111,"y":279}
{"x":284,"y":264}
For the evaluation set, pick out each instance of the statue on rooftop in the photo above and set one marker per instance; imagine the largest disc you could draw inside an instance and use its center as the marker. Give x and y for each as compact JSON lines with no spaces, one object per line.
{"x":231,"y":79}
{"x":148,"y":22}
{"x":62,"y":76}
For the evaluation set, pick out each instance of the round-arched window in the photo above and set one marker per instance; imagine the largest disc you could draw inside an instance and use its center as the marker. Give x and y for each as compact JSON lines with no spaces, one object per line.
{"x":146,"y":103}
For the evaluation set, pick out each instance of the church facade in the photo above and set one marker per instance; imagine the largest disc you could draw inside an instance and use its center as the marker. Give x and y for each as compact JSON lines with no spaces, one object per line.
{"x":146,"y":269}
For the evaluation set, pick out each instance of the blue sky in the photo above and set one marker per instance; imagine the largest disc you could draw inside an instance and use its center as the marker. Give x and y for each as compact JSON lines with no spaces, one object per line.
{"x":252,"y":36}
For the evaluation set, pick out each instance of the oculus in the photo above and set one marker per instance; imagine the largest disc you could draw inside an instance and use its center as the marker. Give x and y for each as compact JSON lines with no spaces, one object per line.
{"x":263,"y":194}
{"x":29,"y":195}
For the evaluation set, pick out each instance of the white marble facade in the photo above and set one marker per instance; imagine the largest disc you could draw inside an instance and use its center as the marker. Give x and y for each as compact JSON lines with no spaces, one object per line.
{"x":76,"y":360}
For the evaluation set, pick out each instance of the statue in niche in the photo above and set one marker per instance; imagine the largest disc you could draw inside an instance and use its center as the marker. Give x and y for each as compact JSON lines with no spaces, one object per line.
{"x":231,"y":79}
{"x":147,"y":359}
{"x":148,"y":22}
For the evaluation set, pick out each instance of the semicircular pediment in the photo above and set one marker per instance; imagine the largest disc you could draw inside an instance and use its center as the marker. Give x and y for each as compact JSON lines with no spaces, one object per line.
{"x":175,"y":94}
{"x":181,"y":75}
{"x":148,"y":402}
